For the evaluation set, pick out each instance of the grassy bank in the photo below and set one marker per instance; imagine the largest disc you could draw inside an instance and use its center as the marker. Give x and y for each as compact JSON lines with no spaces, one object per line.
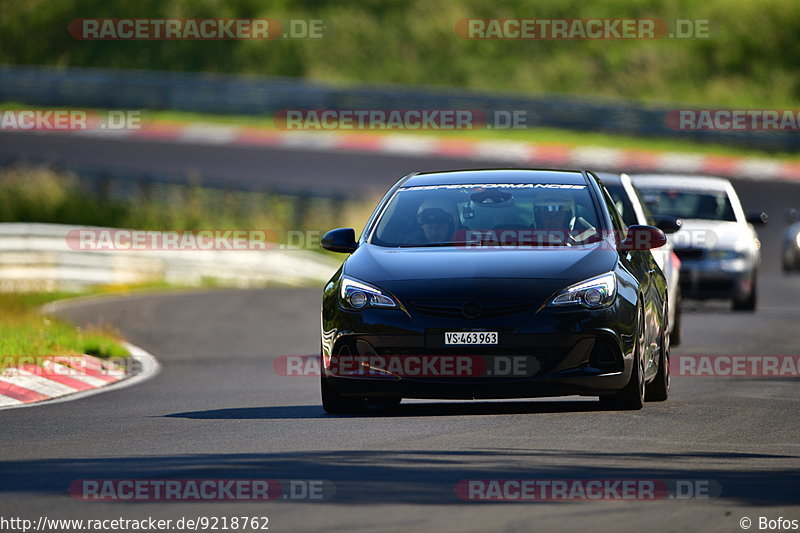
{"x":749,"y":59}
{"x":35,"y":194}
{"x":25,"y":332}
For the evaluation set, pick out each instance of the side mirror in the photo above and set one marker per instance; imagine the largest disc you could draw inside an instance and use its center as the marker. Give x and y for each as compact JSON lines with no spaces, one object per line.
{"x":342,"y":240}
{"x":757,"y":219}
{"x":643,"y":238}
{"x":667,"y":224}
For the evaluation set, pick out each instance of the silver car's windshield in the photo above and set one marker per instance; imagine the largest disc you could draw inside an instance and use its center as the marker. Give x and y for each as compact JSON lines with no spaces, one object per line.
{"x":708,"y":205}
{"x":519,"y":214}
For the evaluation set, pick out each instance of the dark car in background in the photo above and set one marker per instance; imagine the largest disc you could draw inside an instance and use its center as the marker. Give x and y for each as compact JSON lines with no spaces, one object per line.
{"x":495,"y":284}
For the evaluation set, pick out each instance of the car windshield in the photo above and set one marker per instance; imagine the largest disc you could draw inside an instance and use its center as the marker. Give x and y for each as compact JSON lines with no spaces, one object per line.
{"x":500,"y":214}
{"x":708,"y":205}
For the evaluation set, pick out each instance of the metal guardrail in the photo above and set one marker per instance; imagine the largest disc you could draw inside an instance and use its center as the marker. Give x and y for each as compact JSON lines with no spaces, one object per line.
{"x":38,"y":257}
{"x":245,"y":95}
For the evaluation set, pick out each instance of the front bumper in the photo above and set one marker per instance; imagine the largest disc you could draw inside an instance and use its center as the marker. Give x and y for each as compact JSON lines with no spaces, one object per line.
{"x":711,"y":279}
{"x":566,"y":352}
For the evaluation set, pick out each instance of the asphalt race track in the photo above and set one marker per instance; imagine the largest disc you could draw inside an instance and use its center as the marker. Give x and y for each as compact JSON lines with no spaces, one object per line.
{"x":218,"y":410}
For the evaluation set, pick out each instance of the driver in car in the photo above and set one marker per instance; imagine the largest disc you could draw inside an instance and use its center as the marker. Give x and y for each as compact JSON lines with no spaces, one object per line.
{"x":436,"y":220}
{"x":556,"y":221}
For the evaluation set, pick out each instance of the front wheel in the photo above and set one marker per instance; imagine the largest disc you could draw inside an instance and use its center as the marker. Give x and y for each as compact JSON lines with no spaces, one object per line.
{"x":336,"y":404}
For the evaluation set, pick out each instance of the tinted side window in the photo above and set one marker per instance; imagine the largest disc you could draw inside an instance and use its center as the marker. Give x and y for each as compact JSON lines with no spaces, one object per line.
{"x":619,"y":226}
{"x":648,"y":215}
{"x":622,"y":203}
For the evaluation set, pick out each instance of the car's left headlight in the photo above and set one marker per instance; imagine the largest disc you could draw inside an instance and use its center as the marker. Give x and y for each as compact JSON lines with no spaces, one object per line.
{"x":797,"y":240}
{"x":592,"y":293}
{"x":356,"y":295}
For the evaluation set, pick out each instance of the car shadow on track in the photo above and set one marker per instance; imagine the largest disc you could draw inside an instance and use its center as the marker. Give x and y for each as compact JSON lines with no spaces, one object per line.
{"x":411,"y":409}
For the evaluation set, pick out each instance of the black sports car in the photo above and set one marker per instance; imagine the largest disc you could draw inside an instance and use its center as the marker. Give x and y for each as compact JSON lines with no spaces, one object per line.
{"x":495,"y":284}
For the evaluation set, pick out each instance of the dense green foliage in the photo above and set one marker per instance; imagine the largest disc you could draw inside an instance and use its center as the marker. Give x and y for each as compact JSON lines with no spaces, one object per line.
{"x":751,"y":58}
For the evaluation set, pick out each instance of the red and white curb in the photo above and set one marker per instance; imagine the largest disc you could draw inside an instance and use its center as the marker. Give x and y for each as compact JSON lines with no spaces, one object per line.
{"x":508,"y":152}
{"x":62,"y":378}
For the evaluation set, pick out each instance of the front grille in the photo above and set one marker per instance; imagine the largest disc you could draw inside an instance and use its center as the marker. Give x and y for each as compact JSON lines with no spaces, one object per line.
{"x":471,"y":309}
{"x":689,"y":253}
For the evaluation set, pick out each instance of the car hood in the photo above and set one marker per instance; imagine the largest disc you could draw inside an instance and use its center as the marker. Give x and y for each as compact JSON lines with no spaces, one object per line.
{"x":488,"y":270}
{"x":713,"y":234}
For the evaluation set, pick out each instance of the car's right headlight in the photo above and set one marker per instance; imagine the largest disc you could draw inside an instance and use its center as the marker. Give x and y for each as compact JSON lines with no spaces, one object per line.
{"x":356,"y":295}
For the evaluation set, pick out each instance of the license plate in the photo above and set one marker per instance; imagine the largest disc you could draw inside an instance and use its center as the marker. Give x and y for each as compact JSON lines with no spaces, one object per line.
{"x":470,"y":337}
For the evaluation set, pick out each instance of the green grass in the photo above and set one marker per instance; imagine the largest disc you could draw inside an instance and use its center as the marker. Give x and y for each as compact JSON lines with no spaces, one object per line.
{"x":40,"y":195}
{"x":25,"y":332}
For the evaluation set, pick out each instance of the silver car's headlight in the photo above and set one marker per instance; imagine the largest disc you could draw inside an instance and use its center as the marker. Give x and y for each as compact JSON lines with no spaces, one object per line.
{"x":592,"y":293}
{"x":797,"y":240}
{"x":357,"y":295}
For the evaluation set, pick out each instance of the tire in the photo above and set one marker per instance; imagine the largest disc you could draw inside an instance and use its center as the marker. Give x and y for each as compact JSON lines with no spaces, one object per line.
{"x":748,"y":303}
{"x":336,"y":404}
{"x":675,"y":334}
{"x":658,"y":389}
{"x":631,"y":398}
